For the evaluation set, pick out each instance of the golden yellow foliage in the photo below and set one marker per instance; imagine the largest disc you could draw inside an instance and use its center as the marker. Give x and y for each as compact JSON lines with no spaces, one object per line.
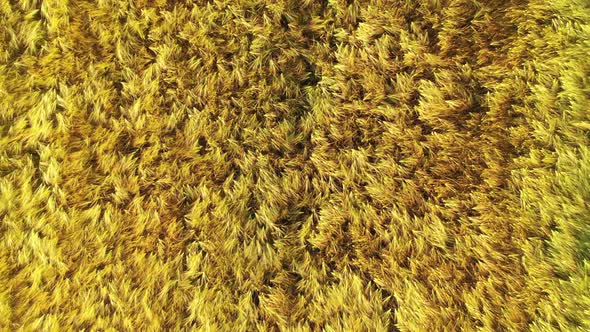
{"x":282,"y":165}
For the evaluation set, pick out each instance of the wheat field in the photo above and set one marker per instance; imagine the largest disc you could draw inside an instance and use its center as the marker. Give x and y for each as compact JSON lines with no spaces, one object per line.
{"x":294,"y":165}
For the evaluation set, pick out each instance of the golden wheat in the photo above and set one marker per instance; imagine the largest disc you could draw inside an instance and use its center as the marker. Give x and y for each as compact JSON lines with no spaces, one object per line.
{"x":242,"y":165}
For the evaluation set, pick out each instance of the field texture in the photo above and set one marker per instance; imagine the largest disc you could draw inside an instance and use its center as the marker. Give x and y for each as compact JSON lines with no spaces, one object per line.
{"x":295,"y":165}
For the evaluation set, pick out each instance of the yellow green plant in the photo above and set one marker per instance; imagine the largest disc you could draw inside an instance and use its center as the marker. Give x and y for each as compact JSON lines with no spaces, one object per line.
{"x":283,"y":165}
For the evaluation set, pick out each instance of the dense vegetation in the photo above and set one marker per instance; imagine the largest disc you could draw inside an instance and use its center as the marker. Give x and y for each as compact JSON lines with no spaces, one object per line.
{"x":297,"y":165}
